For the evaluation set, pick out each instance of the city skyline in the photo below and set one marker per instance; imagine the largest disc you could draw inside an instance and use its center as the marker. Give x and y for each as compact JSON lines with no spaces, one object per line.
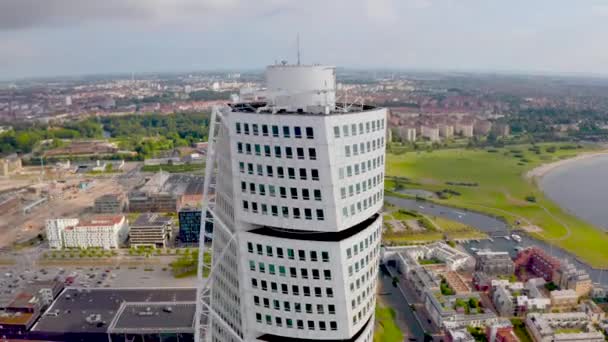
{"x":65,"y":37}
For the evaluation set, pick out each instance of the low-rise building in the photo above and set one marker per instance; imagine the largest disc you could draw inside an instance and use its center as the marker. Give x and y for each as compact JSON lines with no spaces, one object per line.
{"x":562,"y":327}
{"x":109,"y":231}
{"x":110,"y":203}
{"x":593,"y":311}
{"x":150,"y":229}
{"x":456,"y":311}
{"x":569,"y":277}
{"x":563,"y":299}
{"x":536,"y":261}
{"x":501,"y":331}
{"x":494,"y":263}
{"x":459,"y":335}
{"x":517,"y":299}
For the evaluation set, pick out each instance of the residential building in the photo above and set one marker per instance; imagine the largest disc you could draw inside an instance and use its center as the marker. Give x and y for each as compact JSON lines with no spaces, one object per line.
{"x":569,"y":277}
{"x":150,"y":229}
{"x":446,"y":131}
{"x":563,"y":299}
{"x":299,"y":187}
{"x":536,"y":261}
{"x":464,"y":130}
{"x":501,"y":331}
{"x":429,"y":132}
{"x":494,"y":263}
{"x":454,"y":312}
{"x":562,"y":327}
{"x":110,"y":203}
{"x":517,"y":299}
{"x":55,"y":229}
{"x":109,"y":231}
{"x":482,"y":127}
{"x":407,"y":133}
{"x":459,"y":335}
{"x":595,"y":313}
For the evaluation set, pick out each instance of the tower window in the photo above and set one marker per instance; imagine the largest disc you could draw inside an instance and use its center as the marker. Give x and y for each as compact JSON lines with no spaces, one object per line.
{"x":310,"y":134}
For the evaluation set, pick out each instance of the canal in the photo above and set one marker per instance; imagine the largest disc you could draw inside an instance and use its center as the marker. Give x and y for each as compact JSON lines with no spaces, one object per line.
{"x":493,"y":227}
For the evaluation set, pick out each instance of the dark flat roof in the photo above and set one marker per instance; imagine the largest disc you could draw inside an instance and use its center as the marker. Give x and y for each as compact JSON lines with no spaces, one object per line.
{"x":315,"y":235}
{"x":252,"y":107}
{"x":151,"y":219}
{"x":154,"y":318}
{"x":74,"y":305}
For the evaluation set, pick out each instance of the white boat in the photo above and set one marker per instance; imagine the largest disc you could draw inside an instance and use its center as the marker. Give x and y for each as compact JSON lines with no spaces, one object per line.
{"x":516,"y":237}
{"x":507,"y":237}
{"x":473,"y":249}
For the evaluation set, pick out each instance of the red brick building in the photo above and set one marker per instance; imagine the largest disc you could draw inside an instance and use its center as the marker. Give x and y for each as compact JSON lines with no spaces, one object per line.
{"x":537,"y":262}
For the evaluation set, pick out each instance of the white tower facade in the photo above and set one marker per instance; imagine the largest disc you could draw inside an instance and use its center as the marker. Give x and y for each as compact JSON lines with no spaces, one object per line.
{"x":299,"y":184}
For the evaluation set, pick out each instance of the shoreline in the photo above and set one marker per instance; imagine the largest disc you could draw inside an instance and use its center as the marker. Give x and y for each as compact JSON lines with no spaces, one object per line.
{"x":542,"y":170}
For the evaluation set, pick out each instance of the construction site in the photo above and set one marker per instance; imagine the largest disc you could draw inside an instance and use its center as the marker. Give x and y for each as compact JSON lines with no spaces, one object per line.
{"x":32,"y":194}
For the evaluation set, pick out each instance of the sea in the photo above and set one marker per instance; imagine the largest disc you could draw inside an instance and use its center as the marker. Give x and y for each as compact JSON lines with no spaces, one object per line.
{"x":581,"y":188}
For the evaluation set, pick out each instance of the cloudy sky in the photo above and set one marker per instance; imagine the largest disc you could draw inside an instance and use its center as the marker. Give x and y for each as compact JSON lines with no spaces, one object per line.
{"x":73,"y":37}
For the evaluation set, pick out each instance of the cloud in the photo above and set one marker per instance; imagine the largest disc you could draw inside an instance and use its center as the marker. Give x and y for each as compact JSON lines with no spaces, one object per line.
{"x":25,"y":14}
{"x":600,"y":10}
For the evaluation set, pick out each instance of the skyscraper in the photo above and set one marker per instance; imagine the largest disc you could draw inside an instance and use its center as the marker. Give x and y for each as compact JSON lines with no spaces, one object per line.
{"x":299,"y":183}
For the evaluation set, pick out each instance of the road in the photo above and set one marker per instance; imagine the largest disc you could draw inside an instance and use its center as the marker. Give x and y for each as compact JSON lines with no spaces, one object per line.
{"x":390,"y":296}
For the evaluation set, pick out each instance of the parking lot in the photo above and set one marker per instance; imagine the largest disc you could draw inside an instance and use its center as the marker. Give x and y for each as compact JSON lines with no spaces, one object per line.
{"x":13,"y":279}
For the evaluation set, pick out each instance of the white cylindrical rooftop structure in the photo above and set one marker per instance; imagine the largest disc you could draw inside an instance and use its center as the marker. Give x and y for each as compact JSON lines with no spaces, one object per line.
{"x":310,"y":88}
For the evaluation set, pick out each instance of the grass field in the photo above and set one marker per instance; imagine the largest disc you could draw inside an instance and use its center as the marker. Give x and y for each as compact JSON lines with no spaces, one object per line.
{"x":520,"y":331}
{"x":435,"y":228}
{"x":493,"y":181}
{"x":386,"y":327}
{"x":181,"y":168}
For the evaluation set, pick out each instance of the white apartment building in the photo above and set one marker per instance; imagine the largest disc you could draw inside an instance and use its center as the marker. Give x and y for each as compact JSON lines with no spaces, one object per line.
{"x":464,"y":130}
{"x":99,"y":231}
{"x":54,"y":231}
{"x":300,"y":183}
{"x":407,"y":133}
{"x":431,"y":133}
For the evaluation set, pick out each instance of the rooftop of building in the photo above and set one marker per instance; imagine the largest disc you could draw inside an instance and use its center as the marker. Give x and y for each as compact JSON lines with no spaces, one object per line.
{"x":263,"y":107}
{"x":173,"y":184}
{"x":100,"y":221}
{"x":23,"y":300}
{"x":151,"y":219}
{"x":168,"y":317}
{"x":15,"y":318}
{"x":92,"y":310}
{"x":110,"y":196}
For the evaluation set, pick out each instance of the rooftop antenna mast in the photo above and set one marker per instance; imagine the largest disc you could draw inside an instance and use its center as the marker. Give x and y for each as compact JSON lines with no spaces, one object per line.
{"x":298,"y":46}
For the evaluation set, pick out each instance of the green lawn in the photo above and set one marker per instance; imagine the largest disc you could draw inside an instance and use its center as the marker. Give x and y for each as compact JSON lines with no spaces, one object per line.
{"x":182,"y":168}
{"x":386,"y":327}
{"x":519,"y":328}
{"x":494,"y":182}
{"x":187,"y":264}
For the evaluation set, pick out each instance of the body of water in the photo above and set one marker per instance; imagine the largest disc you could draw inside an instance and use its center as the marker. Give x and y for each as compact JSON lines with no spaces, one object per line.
{"x":581,"y":188}
{"x":496,"y":228}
